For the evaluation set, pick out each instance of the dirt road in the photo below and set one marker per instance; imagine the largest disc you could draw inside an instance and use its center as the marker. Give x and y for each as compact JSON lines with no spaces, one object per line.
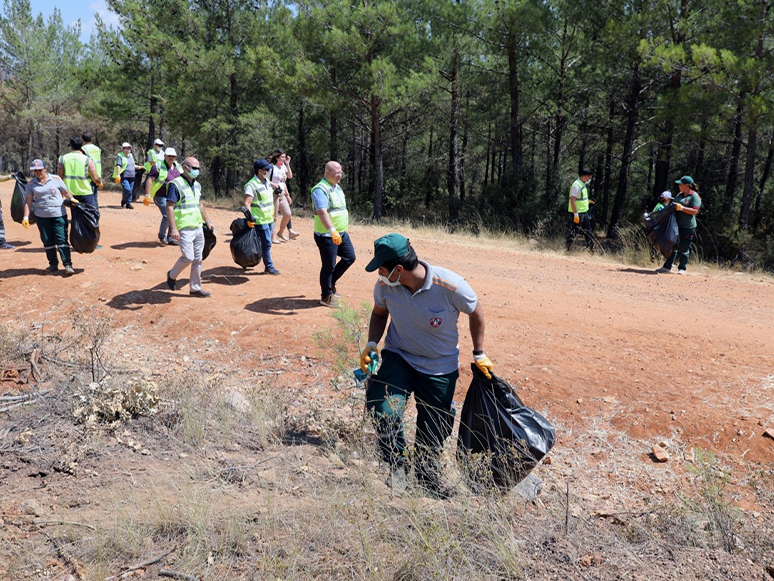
{"x":687,"y":357}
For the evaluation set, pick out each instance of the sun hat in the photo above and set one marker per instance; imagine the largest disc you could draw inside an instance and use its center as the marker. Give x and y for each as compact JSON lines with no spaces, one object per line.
{"x":170,"y":151}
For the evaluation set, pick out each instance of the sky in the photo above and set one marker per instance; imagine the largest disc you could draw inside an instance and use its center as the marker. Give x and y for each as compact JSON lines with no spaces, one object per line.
{"x":73,"y":10}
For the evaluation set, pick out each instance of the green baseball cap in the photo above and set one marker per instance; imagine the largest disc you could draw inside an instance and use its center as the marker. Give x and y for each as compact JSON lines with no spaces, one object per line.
{"x":685,"y":180}
{"x":388,"y":247}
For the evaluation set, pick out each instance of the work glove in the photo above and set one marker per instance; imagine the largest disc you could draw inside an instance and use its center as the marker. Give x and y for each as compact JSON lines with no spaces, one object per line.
{"x":117,"y":179}
{"x":101,"y":186}
{"x":575,"y":218}
{"x":484,"y":365}
{"x":146,"y":201}
{"x":336,"y":237}
{"x":250,"y":224}
{"x":678,"y":207}
{"x":26,"y":222}
{"x":365,"y":356}
{"x":74,"y":201}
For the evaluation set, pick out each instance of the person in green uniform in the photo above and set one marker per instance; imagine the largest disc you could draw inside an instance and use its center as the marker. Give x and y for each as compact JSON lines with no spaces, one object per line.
{"x":578,"y":207}
{"x":687,"y":205}
{"x":663,"y":201}
{"x":95,"y":153}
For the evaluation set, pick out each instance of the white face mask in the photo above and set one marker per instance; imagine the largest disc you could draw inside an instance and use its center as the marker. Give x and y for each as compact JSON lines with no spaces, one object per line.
{"x":386,"y":279}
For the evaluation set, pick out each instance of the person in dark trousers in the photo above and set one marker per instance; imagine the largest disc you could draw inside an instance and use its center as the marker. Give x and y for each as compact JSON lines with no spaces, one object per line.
{"x":330,"y":232}
{"x":420,"y":356}
{"x":3,"y":242}
{"x":580,"y":219}
{"x":687,"y":205}
{"x":45,"y":198}
{"x":259,"y":203}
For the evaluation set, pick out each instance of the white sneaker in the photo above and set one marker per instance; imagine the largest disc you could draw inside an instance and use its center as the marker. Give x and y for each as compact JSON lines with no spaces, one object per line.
{"x":664,"y":270}
{"x":681,"y":272}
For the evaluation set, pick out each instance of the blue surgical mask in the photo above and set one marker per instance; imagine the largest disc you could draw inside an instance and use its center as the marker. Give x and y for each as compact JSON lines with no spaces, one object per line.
{"x":386,"y":279}
{"x":194,"y":173}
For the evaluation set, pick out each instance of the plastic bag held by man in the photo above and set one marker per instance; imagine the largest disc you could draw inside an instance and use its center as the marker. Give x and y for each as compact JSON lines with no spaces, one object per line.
{"x":19,"y":199}
{"x":245,"y":245}
{"x":661,"y":230}
{"x":84,"y":232}
{"x":500,"y":439}
{"x":209,"y":241}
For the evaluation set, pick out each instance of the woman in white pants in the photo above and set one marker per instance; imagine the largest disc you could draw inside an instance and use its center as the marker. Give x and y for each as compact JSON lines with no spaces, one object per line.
{"x":278,"y":176}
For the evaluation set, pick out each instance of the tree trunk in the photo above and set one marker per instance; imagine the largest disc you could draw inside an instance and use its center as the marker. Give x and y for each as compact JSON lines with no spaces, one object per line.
{"x":632,"y":111}
{"x":608,"y":164}
{"x":488,"y":151}
{"x":733,"y":167}
{"x":762,"y":185}
{"x":463,"y":158}
{"x":334,"y":123}
{"x":151,"y":120}
{"x":513,"y":87}
{"x":749,"y":176}
{"x":303,"y":162}
{"x":376,"y":129}
{"x":452,"y":174}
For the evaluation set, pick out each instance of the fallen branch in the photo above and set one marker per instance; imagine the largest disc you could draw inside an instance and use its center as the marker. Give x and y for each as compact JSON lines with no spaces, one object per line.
{"x":176,"y":575}
{"x":35,"y":371}
{"x":64,"y":522}
{"x":16,"y":405}
{"x":24,"y":397}
{"x":142,"y":565}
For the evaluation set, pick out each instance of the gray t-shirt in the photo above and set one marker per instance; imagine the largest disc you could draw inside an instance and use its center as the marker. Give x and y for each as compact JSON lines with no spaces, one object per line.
{"x":423,"y":325}
{"x":47,"y":201}
{"x":129,"y":172}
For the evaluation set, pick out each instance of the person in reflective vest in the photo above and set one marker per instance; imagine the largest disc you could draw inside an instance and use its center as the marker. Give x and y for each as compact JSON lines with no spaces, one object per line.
{"x":578,"y":206}
{"x":77,"y":170}
{"x":95,"y":153}
{"x":154,"y":155}
{"x":259,"y":202}
{"x":330,"y":232}
{"x":159,"y":177}
{"x":186,"y":214}
{"x":124,"y":173}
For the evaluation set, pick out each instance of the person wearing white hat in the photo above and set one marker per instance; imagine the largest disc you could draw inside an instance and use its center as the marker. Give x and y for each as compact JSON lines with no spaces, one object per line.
{"x":154,"y":155}
{"x":160,"y":176}
{"x":124,"y":173}
{"x":664,"y":200}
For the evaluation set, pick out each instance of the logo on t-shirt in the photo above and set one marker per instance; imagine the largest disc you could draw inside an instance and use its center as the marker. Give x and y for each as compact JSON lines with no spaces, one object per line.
{"x":435,"y":322}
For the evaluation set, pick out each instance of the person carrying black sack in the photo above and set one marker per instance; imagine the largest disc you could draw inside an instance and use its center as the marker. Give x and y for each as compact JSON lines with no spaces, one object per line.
{"x":420,"y":356}
{"x":687,"y":205}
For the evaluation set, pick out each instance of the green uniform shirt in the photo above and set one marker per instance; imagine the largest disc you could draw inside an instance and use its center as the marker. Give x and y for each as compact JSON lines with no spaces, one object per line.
{"x":690,"y":200}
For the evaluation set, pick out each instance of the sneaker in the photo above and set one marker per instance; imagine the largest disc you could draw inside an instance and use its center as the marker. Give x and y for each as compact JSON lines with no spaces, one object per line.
{"x":129,"y":206}
{"x":293,"y":234}
{"x":275,"y":240}
{"x":170,"y":281}
{"x":333,"y":290}
{"x":330,"y":301}
{"x":172,"y":242}
{"x":163,"y":240}
{"x":271,"y":270}
{"x":6,"y":246}
{"x":681,"y":271}
{"x":199,"y":293}
{"x":69,"y":270}
{"x":664,"y":270}
{"x":397,"y":480}
{"x":52,"y":268}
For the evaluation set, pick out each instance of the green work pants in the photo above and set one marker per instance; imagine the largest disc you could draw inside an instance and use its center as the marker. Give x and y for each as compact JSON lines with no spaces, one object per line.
{"x":386,"y":397}
{"x":53,"y":235}
{"x":683,"y":249}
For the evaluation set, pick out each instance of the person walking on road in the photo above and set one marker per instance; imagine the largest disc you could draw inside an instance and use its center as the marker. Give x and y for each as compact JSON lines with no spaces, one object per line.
{"x":95,"y":153}
{"x":259,"y":198}
{"x":420,"y":356}
{"x":3,"y":242}
{"x":580,"y":220}
{"x":159,"y":177}
{"x":687,"y":205}
{"x":77,"y":170}
{"x":154,"y":155}
{"x":124,"y":173}
{"x":330,"y":232}
{"x":44,"y":197}
{"x":186,"y":213}
{"x":280,"y":173}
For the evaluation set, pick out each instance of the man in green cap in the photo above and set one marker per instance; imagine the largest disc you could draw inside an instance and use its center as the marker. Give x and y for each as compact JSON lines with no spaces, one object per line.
{"x":420,"y":356}
{"x":687,"y":205}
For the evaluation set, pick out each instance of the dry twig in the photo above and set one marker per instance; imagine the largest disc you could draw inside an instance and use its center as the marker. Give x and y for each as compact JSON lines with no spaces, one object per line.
{"x":176,"y":575}
{"x":142,"y":565}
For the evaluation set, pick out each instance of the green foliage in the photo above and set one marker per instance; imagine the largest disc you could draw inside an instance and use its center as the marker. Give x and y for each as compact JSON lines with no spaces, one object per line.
{"x":342,"y":345}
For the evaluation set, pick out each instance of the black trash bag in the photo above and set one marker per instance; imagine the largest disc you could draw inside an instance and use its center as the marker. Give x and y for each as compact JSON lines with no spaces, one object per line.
{"x":245,"y":245}
{"x":84,"y":231}
{"x":138,"y":188}
{"x":661,"y":230}
{"x":18,"y":200}
{"x":500,"y":439}
{"x":209,"y":241}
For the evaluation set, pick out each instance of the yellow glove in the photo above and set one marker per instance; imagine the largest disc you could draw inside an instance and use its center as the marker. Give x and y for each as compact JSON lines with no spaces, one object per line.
{"x":118,"y":179}
{"x":576,"y":218}
{"x":146,"y":201}
{"x":26,"y":222}
{"x":336,"y":237}
{"x":484,"y":364}
{"x":678,"y":207}
{"x":365,"y":356}
{"x":250,"y":224}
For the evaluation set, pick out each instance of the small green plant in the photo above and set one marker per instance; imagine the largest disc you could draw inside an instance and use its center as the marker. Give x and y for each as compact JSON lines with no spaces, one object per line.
{"x":351,"y":331}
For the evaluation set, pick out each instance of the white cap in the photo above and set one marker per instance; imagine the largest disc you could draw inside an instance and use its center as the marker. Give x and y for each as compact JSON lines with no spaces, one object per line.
{"x":170,"y":151}
{"x":126,"y":144}
{"x":158,"y":142}
{"x":667,"y":195}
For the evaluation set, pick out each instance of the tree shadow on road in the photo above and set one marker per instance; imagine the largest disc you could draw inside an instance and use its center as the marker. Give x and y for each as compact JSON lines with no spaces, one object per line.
{"x":282,"y":305}
{"x":137,"y":244}
{"x":638,"y":270}
{"x":12,"y":272}
{"x":136,"y":299}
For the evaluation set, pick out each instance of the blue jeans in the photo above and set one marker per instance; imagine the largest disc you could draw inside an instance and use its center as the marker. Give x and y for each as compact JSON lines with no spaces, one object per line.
{"x":332,"y":271}
{"x":161,"y":204}
{"x":2,"y":228}
{"x":95,"y":193}
{"x":127,"y":185}
{"x":264,"y":234}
